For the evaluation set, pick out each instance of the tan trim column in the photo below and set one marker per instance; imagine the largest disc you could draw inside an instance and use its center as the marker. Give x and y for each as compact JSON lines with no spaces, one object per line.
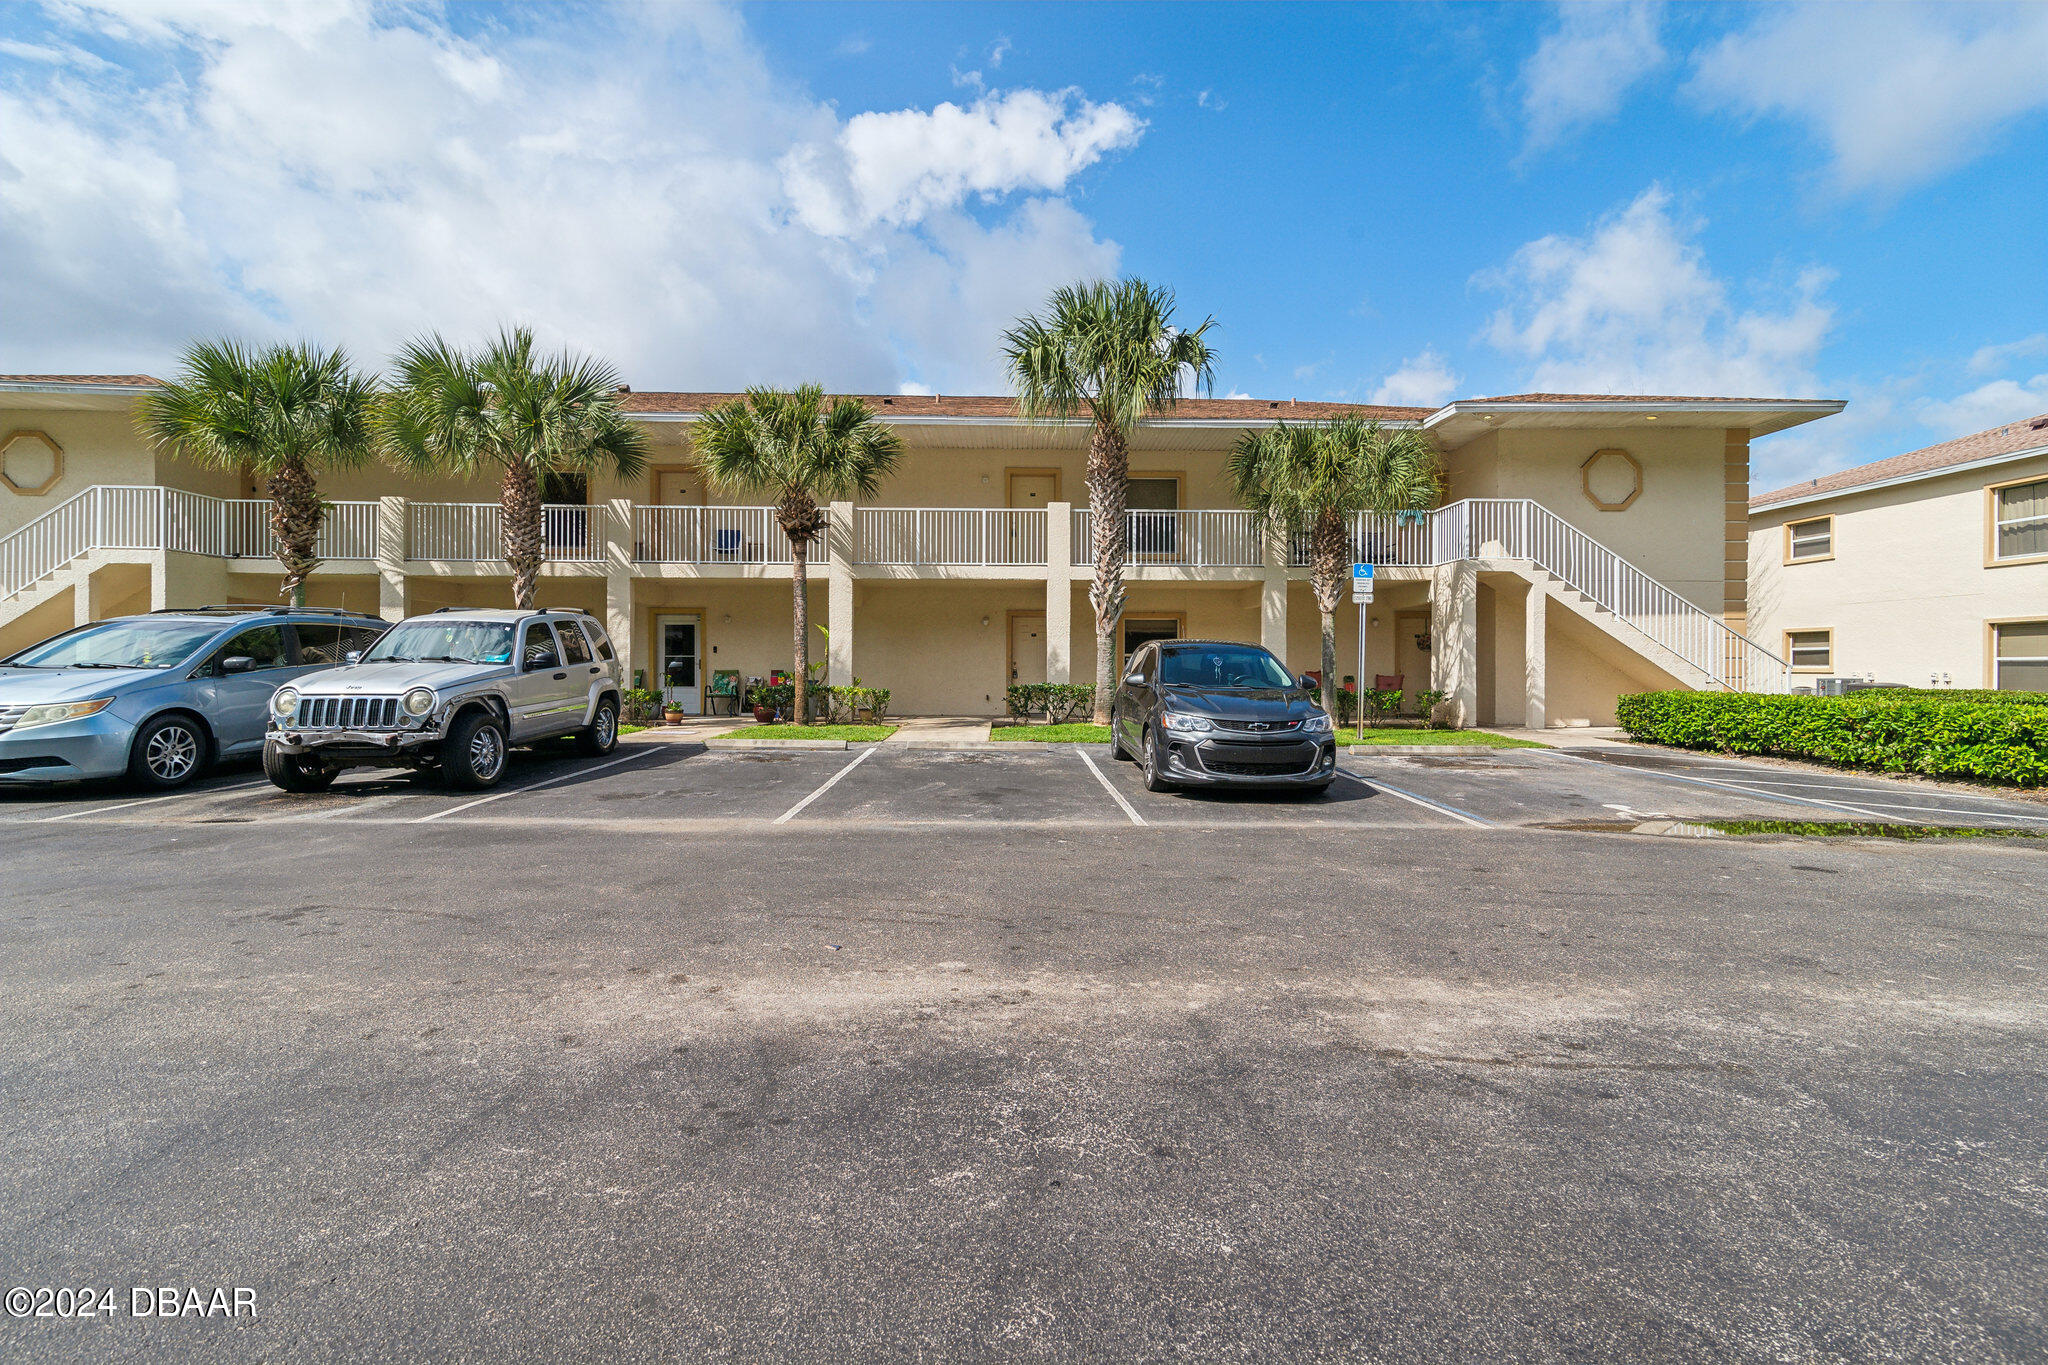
{"x":1059,"y":592}
{"x":1535,"y":657}
{"x":839,"y":595}
{"x":1454,"y":637}
{"x":1735,"y":531}
{"x":1273,"y":596}
{"x":392,"y":515}
{"x":619,"y":540}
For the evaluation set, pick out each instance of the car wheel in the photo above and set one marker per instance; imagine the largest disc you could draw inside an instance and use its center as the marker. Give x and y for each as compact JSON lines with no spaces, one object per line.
{"x":473,"y":754}
{"x":295,"y":772}
{"x":601,"y":736}
{"x":168,"y":752}
{"x":1155,"y":765}
{"x":1117,"y":750}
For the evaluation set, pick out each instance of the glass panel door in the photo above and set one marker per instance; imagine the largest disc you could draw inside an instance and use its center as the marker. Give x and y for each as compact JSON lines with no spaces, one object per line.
{"x":681,"y":666}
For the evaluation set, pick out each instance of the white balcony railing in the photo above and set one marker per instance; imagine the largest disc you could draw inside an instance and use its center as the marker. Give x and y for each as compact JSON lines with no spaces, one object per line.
{"x":472,"y":532}
{"x":949,"y":535}
{"x":1209,"y":538}
{"x":711,"y":535}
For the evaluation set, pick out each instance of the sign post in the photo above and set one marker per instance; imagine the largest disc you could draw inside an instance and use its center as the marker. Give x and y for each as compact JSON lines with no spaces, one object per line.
{"x":1361,"y":594}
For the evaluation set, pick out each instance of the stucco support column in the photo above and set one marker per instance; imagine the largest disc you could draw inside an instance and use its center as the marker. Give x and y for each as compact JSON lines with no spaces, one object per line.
{"x":391,"y":537}
{"x":1273,"y":596}
{"x":618,"y":581}
{"x":160,"y":582}
{"x":84,"y":595}
{"x":1535,"y":657}
{"x":1454,"y":637}
{"x":839,"y":555}
{"x":1059,"y":592}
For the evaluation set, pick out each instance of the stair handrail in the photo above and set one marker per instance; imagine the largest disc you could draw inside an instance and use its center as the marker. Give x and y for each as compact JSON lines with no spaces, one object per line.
{"x":32,"y":552}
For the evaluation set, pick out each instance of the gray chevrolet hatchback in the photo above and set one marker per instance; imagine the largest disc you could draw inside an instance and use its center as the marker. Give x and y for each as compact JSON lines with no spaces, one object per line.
{"x":1215,"y":713}
{"x":158,"y":698}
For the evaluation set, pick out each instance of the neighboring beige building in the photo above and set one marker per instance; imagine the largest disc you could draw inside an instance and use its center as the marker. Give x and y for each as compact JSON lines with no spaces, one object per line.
{"x":1590,"y":545}
{"x":1928,"y":569}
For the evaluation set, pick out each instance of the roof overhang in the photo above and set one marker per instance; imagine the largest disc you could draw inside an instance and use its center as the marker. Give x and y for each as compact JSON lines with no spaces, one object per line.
{"x":1456,"y":423}
{"x":70,"y":396}
{"x":1777,"y":504}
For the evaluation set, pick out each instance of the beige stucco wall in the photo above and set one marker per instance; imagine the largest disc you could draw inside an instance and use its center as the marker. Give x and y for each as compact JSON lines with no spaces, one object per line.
{"x":99,"y":447}
{"x":1908,"y":592}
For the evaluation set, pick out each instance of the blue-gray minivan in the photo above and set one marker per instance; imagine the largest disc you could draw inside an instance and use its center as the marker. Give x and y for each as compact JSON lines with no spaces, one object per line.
{"x":159,"y":698}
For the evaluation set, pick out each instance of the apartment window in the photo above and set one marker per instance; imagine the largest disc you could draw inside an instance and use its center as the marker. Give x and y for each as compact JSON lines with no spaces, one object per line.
{"x":1813,"y":539}
{"x":2019,"y":513}
{"x":2019,"y":656}
{"x":1810,"y":651}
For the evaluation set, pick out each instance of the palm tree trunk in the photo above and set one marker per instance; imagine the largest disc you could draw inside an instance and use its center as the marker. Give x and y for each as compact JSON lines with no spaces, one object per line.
{"x":1109,"y":486}
{"x":800,"y":589}
{"x":1329,"y":558}
{"x":519,"y":509}
{"x":295,"y":514}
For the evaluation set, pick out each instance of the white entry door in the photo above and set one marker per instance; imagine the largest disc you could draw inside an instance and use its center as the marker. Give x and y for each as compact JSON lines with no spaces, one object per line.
{"x":682,"y":667}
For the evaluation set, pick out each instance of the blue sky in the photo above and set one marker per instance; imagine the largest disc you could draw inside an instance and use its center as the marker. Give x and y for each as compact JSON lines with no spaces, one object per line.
{"x":1379,"y":203}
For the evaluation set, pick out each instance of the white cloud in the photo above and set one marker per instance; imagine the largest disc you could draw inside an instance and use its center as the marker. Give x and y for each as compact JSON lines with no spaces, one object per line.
{"x":1992,"y":359}
{"x":361,"y":175}
{"x":1898,"y":93}
{"x":1632,"y":307}
{"x":896,"y":168}
{"x":1988,"y":405}
{"x":1422,"y":381}
{"x":1584,"y":67}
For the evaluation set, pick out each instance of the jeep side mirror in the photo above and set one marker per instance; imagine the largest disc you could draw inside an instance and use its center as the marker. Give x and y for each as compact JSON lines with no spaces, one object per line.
{"x":354,"y":656}
{"x":238,"y":663}
{"x":540,"y":659}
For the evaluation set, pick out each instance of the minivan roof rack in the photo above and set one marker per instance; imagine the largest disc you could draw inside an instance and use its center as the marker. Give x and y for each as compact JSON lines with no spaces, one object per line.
{"x":250,"y":609}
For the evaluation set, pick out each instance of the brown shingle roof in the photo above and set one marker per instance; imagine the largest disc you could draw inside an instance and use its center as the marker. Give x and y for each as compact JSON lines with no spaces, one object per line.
{"x":2025,"y":434}
{"x":133,"y":381}
{"x":948,"y":405}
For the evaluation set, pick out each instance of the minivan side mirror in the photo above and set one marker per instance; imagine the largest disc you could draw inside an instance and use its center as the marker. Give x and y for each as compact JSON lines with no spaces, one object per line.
{"x":354,"y":656}
{"x":238,"y":663}
{"x":1308,"y":684}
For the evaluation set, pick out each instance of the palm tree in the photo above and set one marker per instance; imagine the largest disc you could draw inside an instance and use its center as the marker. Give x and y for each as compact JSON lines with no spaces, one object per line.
{"x":507,"y":410}
{"x":283,"y":412}
{"x":1112,"y":349}
{"x":1314,"y":478}
{"x":791,"y":447}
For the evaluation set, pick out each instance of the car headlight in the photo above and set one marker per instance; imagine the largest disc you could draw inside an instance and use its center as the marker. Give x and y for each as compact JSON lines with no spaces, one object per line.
{"x":283,"y":702}
{"x":1317,"y":724}
{"x":52,"y":712}
{"x":417,"y":702}
{"x":1187,"y":725}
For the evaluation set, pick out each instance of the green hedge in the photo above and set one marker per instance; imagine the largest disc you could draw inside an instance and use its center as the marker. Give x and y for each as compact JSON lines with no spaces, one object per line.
{"x":1940,"y":734}
{"x":1057,"y":702}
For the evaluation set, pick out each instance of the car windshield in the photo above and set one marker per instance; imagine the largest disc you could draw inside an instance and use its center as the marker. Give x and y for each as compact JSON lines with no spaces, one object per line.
{"x":1221,"y":666}
{"x":462,"y":642}
{"x":120,"y":644}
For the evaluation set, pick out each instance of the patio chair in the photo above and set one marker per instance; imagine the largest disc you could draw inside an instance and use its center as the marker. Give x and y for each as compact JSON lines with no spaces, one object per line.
{"x":725,"y":687}
{"x":1387,"y":682}
{"x":725,"y":543}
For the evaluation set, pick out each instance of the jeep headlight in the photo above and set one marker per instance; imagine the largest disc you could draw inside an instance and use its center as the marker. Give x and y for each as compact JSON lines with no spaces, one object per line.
{"x":417,"y":702}
{"x":1187,"y":725}
{"x":1317,"y":724}
{"x":50,"y":713}
{"x":283,"y":702}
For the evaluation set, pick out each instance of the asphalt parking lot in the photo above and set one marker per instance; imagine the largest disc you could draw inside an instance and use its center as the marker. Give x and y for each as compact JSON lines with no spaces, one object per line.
{"x":654,"y":785}
{"x":935,"y":1055}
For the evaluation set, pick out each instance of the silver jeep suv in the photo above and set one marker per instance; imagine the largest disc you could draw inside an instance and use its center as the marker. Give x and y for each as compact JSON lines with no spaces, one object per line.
{"x":449,"y":692}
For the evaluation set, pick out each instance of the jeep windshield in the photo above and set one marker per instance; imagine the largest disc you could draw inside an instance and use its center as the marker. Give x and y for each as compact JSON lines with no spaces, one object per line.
{"x":1221,"y":666}
{"x":453,"y":642}
{"x":120,"y":644}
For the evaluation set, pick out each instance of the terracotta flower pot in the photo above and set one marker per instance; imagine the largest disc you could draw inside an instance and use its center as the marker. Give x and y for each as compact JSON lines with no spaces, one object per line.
{"x":672,"y":717}
{"x":763,"y":714}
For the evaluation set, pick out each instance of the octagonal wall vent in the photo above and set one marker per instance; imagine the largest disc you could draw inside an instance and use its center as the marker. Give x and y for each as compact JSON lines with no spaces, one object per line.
{"x":30,"y":462}
{"x":1612,"y":479}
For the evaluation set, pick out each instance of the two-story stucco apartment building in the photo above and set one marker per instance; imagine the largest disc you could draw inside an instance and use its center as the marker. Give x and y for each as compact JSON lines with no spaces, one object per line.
{"x":1589,"y":546}
{"x":1928,"y":568}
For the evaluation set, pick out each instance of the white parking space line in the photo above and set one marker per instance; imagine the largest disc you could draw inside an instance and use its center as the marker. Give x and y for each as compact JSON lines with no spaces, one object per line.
{"x":529,"y":787}
{"x":830,"y":783}
{"x":151,"y":801}
{"x":1374,"y":784}
{"x":1753,"y":791}
{"x":1932,"y":810}
{"x":1114,"y":794}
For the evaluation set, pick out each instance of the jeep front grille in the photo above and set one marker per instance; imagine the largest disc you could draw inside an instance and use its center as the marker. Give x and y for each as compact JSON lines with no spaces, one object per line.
{"x":347,"y":713}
